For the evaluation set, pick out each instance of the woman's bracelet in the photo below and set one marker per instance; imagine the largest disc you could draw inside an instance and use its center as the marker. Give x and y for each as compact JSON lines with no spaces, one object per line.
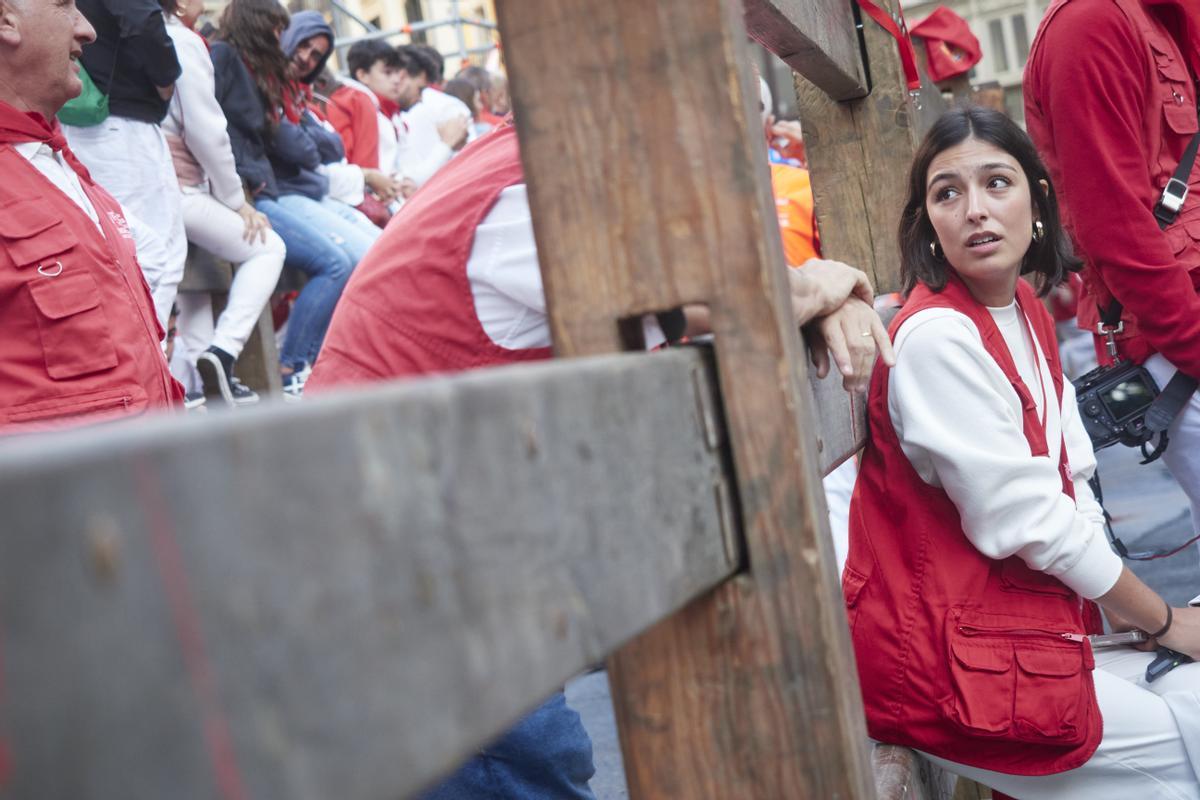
{"x":1166,"y":627}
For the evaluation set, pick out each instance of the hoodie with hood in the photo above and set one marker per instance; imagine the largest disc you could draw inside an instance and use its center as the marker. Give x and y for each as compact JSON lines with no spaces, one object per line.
{"x":301,"y":145}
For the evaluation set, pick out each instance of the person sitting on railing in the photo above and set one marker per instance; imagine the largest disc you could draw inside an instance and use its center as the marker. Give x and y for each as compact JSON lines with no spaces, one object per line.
{"x":218,"y":218}
{"x":254,"y":90}
{"x":431,"y":298}
{"x":82,"y":341}
{"x":976,"y":544}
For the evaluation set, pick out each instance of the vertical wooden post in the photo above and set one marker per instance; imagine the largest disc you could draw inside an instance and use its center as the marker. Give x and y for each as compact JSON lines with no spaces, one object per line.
{"x":859,"y":153}
{"x":649,"y":189}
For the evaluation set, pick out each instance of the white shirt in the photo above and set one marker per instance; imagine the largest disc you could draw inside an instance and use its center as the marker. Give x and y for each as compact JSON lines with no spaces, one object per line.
{"x":506,"y":281}
{"x":959,"y":422}
{"x":195,"y":116}
{"x":58,"y":172}
{"x":422,"y":151}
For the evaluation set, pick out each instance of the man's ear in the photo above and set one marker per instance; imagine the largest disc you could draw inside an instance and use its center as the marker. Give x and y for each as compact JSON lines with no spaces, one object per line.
{"x":10,"y":28}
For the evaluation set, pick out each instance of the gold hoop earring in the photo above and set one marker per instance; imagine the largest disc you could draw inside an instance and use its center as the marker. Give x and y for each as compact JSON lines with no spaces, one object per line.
{"x":935,"y":250}
{"x":1039,"y":230}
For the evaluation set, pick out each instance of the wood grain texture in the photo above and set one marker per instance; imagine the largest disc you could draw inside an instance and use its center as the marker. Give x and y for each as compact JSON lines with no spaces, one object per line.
{"x":901,"y":774}
{"x":859,"y":154}
{"x":343,"y":599}
{"x":815,"y":38}
{"x":649,"y":189}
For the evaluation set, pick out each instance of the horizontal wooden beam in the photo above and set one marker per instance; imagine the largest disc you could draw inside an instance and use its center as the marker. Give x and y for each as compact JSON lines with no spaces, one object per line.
{"x":816,"y":38}
{"x":343,"y":598}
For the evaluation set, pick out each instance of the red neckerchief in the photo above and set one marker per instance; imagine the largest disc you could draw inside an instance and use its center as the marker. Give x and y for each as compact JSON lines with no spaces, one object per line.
{"x":389,"y":108}
{"x":18,"y":127}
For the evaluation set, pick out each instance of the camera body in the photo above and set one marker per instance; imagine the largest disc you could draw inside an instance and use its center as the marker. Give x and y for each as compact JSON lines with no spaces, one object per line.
{"x":1113,"y":402}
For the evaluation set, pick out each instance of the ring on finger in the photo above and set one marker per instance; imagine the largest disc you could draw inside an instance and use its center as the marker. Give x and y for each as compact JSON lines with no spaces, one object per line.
{"x":866,"y":333}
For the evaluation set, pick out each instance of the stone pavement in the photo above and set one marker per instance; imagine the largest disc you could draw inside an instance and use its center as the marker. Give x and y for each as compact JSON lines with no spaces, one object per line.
{"x":1149,"y":512}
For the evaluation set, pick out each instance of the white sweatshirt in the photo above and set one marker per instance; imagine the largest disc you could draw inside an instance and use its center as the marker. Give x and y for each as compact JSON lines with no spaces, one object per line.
{"x":195,"y":116}
{"x":422,"y":151}
{"x":959,"y":422}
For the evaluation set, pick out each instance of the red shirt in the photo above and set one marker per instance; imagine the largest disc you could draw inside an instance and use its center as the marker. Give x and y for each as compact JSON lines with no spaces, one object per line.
{"x":355,"y":118}
{"x":1111,"y":106}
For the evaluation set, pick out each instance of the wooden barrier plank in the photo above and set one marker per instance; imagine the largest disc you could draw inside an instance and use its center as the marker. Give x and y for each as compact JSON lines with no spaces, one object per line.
{"x":650,"y":193}
{"x":815,"y":38}
{"x":901,"y":774}
{"x":343,"y":598}
{"x":859,"y":153}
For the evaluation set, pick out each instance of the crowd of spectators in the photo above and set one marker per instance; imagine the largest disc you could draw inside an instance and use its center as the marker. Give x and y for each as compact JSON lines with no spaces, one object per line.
{"x":234,"y":136}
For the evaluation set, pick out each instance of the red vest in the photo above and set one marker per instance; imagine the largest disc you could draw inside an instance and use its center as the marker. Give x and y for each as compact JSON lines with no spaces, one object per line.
{"x":408,"y":309}
{"x":81,"y":338}
{"x":960,"y":655}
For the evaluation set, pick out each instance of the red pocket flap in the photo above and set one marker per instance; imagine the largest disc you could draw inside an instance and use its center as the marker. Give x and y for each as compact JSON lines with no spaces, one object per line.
{"x":993,"y":657}
{"x":1058,"y":661}
{"x":1181,"y":117}
{"x":1164,"y":58}
{"x":65,"y":295}
{"x":25,"y":218}
{"x":853,"y":582}
{"x":40,"y":248}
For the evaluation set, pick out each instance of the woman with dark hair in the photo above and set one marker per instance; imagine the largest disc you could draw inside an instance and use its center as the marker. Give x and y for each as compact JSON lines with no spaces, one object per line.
{"x":976,"y":545}
{"x":216,"y":217}
{"x":278,"y":160}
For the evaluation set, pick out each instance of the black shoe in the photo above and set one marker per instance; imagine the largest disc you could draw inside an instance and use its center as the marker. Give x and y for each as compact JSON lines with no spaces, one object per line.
{"x":243,"y":395}
{"x":216,"y":371}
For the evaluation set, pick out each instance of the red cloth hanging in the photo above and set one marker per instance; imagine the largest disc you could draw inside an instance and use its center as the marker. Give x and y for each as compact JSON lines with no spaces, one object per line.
{"x":949,"y":44}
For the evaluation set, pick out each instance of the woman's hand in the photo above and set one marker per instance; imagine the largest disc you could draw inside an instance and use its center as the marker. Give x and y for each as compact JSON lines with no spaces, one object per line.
{"x":852,"y":334}
{"x":1184,"y":635}
{"x":256,"y":223}
{"x":385,"y":187}
{"x":819,"y":287}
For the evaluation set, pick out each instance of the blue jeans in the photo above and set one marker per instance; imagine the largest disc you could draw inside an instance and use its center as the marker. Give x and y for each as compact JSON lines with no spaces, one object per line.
{"x":546,"y":756}
{"x":326,"y":247}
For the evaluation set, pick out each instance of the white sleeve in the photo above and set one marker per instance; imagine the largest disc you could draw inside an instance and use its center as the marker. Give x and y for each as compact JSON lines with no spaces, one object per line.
{"x":205,"y":130}
{"x":420,"y":169}
{"x":1080,"y":456}
{"x":346,"y":182}
{"x":951,"y":409}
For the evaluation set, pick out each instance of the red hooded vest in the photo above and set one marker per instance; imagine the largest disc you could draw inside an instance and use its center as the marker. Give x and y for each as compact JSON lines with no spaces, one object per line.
{"x":960,"y":655}
{"x":408,"y":308}
{"x":82,"y":340}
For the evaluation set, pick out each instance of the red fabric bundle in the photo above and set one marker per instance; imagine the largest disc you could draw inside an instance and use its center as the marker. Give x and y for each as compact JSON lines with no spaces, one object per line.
{"x":949,"y":44}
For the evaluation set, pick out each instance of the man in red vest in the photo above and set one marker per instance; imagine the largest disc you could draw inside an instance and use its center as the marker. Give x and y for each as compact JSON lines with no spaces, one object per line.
{"x":1110,"y":102}
{"x":81,"y":341}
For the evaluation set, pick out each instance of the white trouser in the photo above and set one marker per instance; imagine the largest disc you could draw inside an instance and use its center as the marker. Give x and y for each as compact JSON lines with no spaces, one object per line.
{"x":216,"y":228}
{"x":131,"y":160}
{"x":1183,"y":451}
{"x":839,"y":488}
{"x":1151,"y":745}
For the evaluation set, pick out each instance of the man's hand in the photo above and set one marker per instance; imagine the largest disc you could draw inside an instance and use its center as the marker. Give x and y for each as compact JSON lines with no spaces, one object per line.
{"x":454,"y":132}
{"x":851,"y":334}
{"x":819,"y":287}
{"x":408,"y":187}
{"x":382,"y":186}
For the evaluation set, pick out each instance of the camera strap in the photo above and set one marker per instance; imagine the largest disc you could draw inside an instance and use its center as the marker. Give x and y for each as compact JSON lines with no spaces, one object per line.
{"x":1180,"y":388}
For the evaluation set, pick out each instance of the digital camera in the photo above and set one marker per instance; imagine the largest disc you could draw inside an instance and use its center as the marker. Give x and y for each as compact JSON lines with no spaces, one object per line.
{"x":1113,"y":402}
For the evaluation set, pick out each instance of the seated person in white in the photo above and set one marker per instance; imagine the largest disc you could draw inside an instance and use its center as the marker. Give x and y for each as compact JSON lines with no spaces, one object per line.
{"x":218,"y":219}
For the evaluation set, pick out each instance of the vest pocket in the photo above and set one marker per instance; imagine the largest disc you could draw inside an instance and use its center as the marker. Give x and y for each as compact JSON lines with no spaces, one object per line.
{"x":1049,"y":695}
{"x":73,"y":325}
{"x":982,"y":674}
{"x":1018,"y":683}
